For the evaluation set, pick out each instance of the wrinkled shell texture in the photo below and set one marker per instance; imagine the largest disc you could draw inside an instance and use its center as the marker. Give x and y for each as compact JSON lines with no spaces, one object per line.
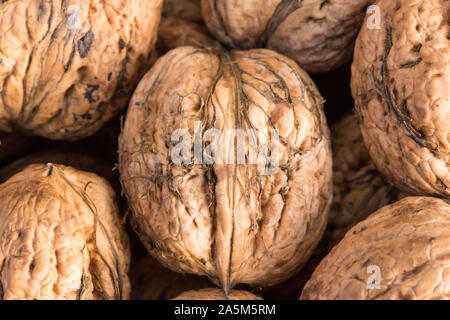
{"x":68,"y":67}
{"x":408,"y":240}
{"x":216,"y":294}
{"x":61,"y":237}
{"x":228,"y":221}
{"x":182,"y":25}
{"x":151,"y":281}
{"x":359,"y":188}
{"x":401,"y":86}
{"x":318,"y":34}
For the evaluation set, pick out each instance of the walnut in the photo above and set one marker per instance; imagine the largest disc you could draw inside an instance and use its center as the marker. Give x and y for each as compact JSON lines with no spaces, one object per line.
{"x":318,"y":34}
{"x":401,"y":84}
{"x":399,"y":252}
{"x":66,"y":69}
{"x":253,"y":209}
{"x":61,"y":237}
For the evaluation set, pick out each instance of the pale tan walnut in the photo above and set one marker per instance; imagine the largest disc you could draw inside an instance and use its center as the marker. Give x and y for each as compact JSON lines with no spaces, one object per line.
{"x":61,"y":237}
{"x":252,"y":215}
{"x":67,"y":67}
{"x":182,"y":25}
{"x":406,"y":242}
{"x":359,"y":188}
{"x":151,"y":281}
{"x":216,"y":294}
{"x":318,"y":34}
{"x":401,"y":86}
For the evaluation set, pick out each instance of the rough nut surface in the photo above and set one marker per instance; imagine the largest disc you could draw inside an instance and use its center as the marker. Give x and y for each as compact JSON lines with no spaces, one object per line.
{"x":359,"y":188}
{"x":409,"y":241}
{"x":151,"y":281}
{"x":216,"y":294}
{"x":61,"y":237}
{"x":67,"y":67}
{"x":235,"y":222}
{"x":401,"y":86}
{"x":318,"y":34}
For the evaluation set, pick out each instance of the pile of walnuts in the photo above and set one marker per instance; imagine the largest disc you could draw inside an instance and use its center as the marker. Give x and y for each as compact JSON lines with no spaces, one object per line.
{"x":187,"y":150}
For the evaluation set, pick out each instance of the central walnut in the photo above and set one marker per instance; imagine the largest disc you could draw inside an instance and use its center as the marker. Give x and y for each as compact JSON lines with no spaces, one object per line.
{"x":254,"y":222}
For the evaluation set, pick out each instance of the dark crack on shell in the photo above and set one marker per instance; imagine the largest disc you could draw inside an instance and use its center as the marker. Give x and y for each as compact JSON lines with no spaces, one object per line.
{"x":387,"y":94}
{"x":83,"y":286}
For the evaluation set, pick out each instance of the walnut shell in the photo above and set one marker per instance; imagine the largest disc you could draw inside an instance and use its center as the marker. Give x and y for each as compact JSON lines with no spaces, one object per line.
{"x":151,"y":281}
{"x":66,"y":69}
{"x":408,"y":241}
{"x":235,"y":222}
{"x":359,"y":188}
{"x":216,"y":294}
{"x":401,"y":86}
{"x":61,"y":237}
{"x":182,"y":25}
{"x":318,"y":34}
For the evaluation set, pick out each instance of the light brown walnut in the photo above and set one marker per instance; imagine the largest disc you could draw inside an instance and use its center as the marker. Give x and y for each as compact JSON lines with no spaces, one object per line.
{"x":408,"y":241}
{"x":318,"y":34}
{"x":401,"y":86}
{"x":61,"y":237}
{"x":68,"y":67}
{"x":235,"y":221}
